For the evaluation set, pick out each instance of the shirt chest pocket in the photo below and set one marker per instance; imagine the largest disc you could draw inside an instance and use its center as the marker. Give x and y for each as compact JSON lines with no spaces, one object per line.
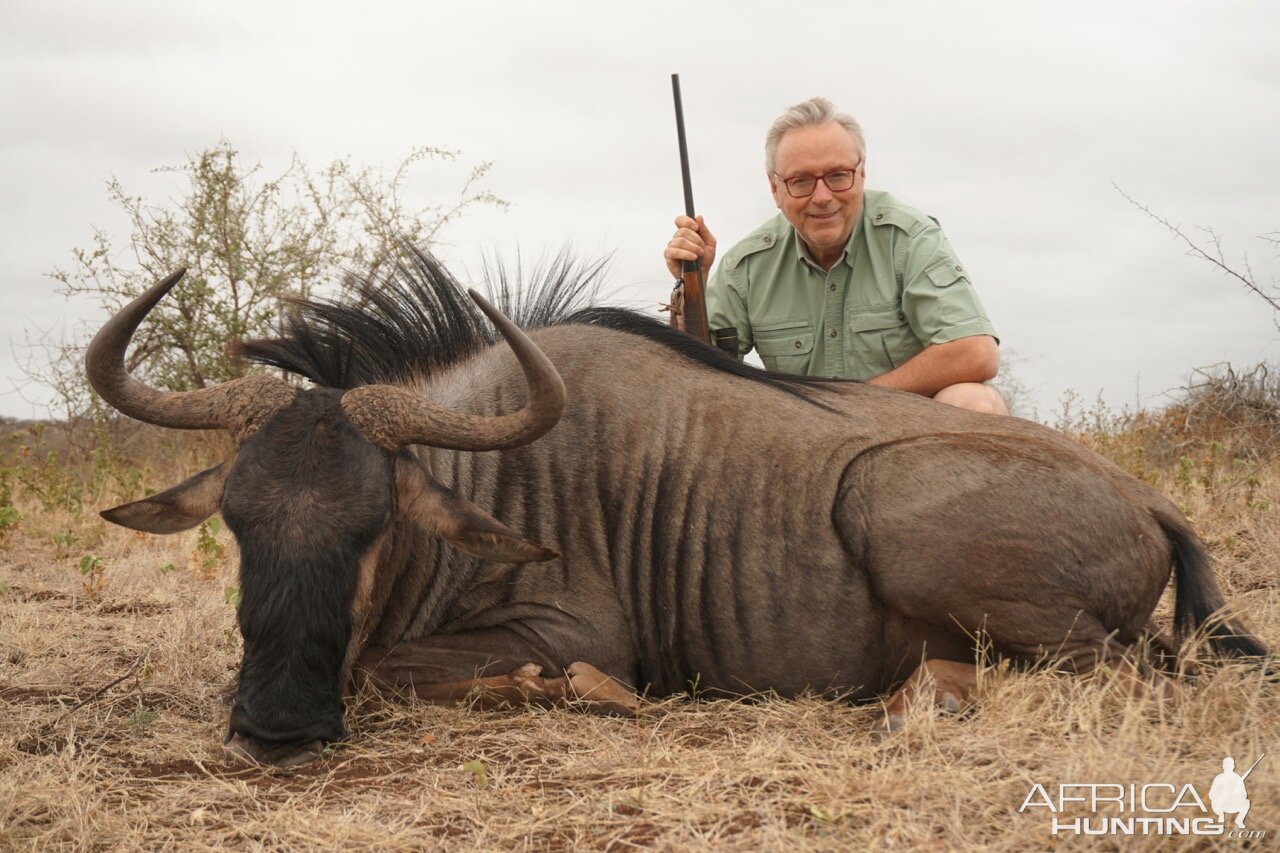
{"x":786,"y":347}
{"x":881,"y":339}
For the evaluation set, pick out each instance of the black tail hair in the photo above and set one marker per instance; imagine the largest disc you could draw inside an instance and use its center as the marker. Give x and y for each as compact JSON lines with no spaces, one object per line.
{"x":1199,"y":601}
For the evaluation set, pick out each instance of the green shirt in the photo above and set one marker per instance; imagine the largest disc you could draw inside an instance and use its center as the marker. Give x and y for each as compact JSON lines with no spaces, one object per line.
{"x":897,"y":289}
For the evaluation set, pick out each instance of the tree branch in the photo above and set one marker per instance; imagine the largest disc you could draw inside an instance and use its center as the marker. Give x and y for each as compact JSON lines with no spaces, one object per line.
{"x":1216,"y":257}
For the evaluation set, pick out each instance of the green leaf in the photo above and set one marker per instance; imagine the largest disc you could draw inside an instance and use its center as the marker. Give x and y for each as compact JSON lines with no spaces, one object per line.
{"x":478,"y":772}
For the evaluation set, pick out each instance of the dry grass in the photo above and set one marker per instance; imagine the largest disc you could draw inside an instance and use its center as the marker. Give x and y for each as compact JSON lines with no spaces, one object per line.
{"x":138,"y":765}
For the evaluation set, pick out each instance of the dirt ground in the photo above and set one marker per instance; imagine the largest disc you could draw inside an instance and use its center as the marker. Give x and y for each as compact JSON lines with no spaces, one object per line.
{"x":114,"y":677}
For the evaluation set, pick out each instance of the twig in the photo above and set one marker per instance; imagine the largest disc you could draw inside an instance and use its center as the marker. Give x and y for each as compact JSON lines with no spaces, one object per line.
{"x":97,"y":693}
{"x":1196,"y":252}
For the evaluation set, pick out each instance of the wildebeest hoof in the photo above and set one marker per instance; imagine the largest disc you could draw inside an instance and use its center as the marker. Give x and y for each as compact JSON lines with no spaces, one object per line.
{"x":605,"y":693}
{"x":529,"y":670}
{"x":947,"y":703}
{"x":529,"y":682}
{"x":893,"y":723}
{"x":251,"y":751}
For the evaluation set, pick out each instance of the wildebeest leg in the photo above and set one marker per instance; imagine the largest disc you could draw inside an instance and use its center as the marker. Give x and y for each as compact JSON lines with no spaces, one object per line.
{"x":478,"y":666}
{"x":1046,"y":559}
{"x":947,"y":684}
{"x":582,"y":687}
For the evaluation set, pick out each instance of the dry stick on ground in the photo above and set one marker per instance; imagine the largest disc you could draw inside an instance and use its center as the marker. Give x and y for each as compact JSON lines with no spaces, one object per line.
{"x":95,"y":696}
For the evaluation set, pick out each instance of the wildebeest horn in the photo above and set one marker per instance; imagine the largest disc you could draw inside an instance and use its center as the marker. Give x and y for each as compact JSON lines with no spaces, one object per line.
{"x":393,"y":417}
{"x":238,"y":405}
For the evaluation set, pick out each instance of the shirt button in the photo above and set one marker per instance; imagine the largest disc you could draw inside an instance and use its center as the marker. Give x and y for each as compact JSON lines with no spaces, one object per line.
{"x":767,"y":239}
{"x":959,"y":268}
{"x":799,"y":344}
{"x":833,"y":287}
{"x":834,"y":333}
{"x":879,"y":216}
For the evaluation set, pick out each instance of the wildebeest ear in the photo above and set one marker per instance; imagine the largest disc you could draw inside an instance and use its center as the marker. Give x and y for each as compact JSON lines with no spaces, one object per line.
{"x":461,"y":523}
{"x":179,"y":508}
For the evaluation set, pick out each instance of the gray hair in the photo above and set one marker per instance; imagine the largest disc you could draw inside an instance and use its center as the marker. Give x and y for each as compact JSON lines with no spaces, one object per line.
{"x":815,"y":111}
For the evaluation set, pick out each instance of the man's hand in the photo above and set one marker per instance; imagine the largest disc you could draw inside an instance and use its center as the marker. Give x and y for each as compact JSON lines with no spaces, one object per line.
{"x":691,"y":242}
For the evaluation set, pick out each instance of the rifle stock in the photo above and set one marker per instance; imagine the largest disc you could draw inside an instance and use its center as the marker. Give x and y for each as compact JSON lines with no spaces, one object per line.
{"x":695,"y":302}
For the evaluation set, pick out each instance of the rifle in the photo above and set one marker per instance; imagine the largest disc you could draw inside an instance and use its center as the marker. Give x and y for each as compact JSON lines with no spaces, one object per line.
{"x":692,"y":284}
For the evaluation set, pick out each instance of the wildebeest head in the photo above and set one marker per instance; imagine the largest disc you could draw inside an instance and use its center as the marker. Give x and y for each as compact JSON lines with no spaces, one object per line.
{"x":310,"y":494}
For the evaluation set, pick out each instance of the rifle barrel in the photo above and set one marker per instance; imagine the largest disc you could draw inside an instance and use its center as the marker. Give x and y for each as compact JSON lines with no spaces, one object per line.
{"x":684,"y":148}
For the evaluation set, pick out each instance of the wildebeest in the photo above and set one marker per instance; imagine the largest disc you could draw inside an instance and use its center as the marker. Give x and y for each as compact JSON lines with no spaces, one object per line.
{"x":607,"y":502}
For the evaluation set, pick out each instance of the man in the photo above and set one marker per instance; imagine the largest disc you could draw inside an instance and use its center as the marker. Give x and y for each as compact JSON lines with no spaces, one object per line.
{"x":845,"y":282}
{"x":1227,"y":794}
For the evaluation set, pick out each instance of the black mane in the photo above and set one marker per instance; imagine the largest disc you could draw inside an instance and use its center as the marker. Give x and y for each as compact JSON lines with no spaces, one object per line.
{"x":418,"y":320}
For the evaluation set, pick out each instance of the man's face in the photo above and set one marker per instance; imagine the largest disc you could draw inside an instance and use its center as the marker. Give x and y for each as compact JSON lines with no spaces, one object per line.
{"x":825,"y":219}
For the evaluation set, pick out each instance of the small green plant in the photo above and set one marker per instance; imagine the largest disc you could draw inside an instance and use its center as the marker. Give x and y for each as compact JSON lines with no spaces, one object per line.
{"x":167,"y":568}
{"x":141,"y":719}
{"x":1208,"y":478}
{"x":47,"y":479}
{"x":209,"y":551}
{"x":478,"y":772}
{"x":1138,"y":467}
{"x":1251,"y":484}
{"x":232,"y":596}
{"x":827,"y":815}
{"x":64,"y":543}
{"x":1185,"y":466}
{"x":9,"y":518}
{"x":108,"y":465}
{"x":95,"y":575}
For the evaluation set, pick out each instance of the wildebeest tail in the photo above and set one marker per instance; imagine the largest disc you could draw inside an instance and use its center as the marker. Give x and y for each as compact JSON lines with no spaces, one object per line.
{"x":1198,"y":600}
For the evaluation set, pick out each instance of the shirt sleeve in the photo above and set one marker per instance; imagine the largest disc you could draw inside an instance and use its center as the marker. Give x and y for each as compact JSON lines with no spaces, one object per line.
{"x":937,"y":297}
{"x":727,"y":307}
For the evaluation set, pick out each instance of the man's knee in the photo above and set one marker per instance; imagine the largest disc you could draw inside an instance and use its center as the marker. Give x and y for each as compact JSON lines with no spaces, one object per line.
{"x":974,"y":396}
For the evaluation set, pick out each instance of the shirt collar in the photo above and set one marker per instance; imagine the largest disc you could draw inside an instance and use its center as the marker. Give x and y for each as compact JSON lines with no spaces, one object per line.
{"x":849,"y":252}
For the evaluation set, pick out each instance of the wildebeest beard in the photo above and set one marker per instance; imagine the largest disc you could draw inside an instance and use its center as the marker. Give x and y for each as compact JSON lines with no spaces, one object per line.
{"x":300,"y":554}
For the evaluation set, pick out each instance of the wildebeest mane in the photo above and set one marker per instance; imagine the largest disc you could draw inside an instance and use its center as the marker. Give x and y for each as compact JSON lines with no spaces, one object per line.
{"x":417,"y":320}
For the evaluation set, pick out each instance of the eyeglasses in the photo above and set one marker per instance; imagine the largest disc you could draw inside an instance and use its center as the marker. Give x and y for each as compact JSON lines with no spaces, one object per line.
{"x":802,"y":186}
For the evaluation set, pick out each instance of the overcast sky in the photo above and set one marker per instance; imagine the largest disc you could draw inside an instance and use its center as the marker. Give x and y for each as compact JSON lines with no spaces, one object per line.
{"x":1009,"y":121}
